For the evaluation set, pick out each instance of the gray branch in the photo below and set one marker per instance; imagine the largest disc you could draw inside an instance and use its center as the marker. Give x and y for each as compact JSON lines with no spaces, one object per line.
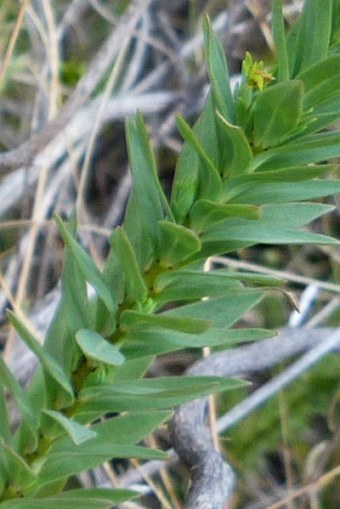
{"x":25,"y":153}
{"x":212,"y":479}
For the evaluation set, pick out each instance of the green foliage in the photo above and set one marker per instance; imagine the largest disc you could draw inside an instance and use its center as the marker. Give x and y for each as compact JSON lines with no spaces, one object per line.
{"x":264,"y":430}
{"x":245,"y":172}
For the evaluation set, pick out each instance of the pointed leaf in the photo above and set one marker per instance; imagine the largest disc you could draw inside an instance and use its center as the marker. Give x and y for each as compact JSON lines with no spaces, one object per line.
{"x":279,"y":36}
{"x":310,"y":149}
{"x":65,"y":464}
{"x":5,"y":430}
{"x":131,"y":369}
{"x":114,"y":276}
{"x":210,"y":181}
{"x":320,"y":81}
{"x":132,"y":320}
{"x":48,"y":363}
{"x":72,"y":313}
{"x":324,"y":114}
{"x":95,"y":347}
{"x":22,"y":402}
{"x":176,"y":243}
{"x":147,"y":203}
{"x":159,"y":341}
{"x":153,"y":393}
{"x":88,"y":267}
{"x":308,"y":42}
{"x":276,"y":225}
{"x":100,"y":498}
{"x":135,"y":286}
{"x":276,"y":112}
{"x":114,"y":439}
{"x":119,"y":430}
{"x":206,"y":213}
{"x":237,"y":151}
{"x":222,"y":311}
{"x":218,"y":72}
{"x":18,"y":471}
{"x":76,"y":431}
{"x":191,"y":285}
{"x":285,"y":192}
{"x":188,"y":181}
{"x":185,"y":184}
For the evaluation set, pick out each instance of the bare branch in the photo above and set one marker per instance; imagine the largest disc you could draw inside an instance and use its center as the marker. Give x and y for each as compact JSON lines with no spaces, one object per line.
{"x":212,"y":478}
{"x":25,"y":154}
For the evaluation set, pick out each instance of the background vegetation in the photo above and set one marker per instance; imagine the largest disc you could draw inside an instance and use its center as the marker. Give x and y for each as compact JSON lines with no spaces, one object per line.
{"x":47,"y":49}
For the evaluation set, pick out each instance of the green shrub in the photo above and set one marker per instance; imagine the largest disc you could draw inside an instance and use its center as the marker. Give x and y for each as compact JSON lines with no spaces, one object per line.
{"x":246,"y":174}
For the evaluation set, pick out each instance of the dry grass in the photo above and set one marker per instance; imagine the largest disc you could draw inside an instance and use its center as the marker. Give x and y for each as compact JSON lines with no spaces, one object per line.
{"x":71,"y":71}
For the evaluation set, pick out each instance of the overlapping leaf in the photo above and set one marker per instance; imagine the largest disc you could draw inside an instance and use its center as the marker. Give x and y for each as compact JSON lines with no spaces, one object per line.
{"x":114,"y":438}
{"x":176,"y":243}
{"x":147,"y":203}
{"x":277,"y":224}
{"x":88,"y":267}
{"x":48,"y":363}
{"x":309,"y":40}
{"x":150,"y":341}
{"x":100,"y":498}
{"x":153,"y":393}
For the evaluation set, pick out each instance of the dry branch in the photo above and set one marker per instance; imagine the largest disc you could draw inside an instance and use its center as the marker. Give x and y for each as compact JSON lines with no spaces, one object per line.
{"x":25,"y":154}
{"x":212,"y":479}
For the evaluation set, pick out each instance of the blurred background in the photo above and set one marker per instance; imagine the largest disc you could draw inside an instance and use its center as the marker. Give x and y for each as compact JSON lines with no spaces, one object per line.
{"x":70,"y":73}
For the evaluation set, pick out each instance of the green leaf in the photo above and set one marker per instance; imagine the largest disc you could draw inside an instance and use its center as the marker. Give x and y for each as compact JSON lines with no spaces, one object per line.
{"x":276,"y":225}
{"x":190,"y":285}
{"x":185,"y":184}
{"x":95,"y":347}
{"x":276,"y":112}
{"x":310,"y":149}
{"x":19,"y":473}
{"x":210,"y":181}
{"x":188,"y":175}
{"x":114,"y":439}
{"x":184,"y":285}
{"x":114,"y":276}
{"x":324,"y":114}
{"x":308,"y":42}
{"x":201,"y":284}
{"x":133,"y":319}
{"x":320,"y":81}
{"x":218,"y":72}
{"x":120,"y":430}
{"x":233,"y":188}
{"x":176,"y":243}
{"x":131,"y":369}
{"x":222,"y":311}
{"x":65,"y":464}
{"x":88,"y":268}
{"x":206,"y":213}
{"x":29,"y":419}
{"x":279,"y":36}
{"x":5,"y":430}
{"x":48,"y":363}
{"x":135,"y":287}
{"x":159,"y":341}
{"x":237,"y":151}
{"x":76,"y":431}
{"x":277,"y":192}
{"x":290,"y":174}
{"x":155,"y":393}
{"x":147,"y":203}
{"x":73,"y":313}
{"x":99,"y":498}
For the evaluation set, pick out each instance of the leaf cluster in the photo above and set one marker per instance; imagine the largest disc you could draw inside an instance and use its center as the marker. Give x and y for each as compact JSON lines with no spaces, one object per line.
{"x":245,"y":175}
